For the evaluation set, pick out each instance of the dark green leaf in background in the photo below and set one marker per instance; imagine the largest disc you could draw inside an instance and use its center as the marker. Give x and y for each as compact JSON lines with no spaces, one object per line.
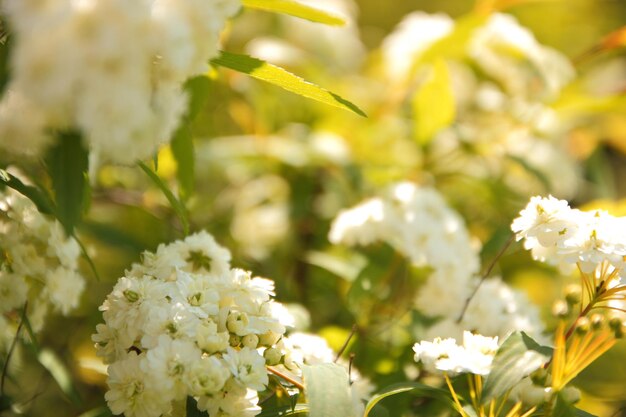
{"x":67,"y":162}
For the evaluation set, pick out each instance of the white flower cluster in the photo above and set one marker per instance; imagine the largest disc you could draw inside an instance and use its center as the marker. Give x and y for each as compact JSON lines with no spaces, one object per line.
{"x":501,"y":86}
{"x":183,"y":323}
{"x":418,"y":223}
{"x":565,"y":237}
{"x":38,"y":263}
{"x":111,"y":69}
{"x":299,"y":349}
{"x":444,"y":355}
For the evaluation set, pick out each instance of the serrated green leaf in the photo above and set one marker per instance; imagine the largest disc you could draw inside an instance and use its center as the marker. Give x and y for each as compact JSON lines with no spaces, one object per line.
{"x":67,"y":162}
{"x":563,"y":408}
{"x":433,"y":104}
{"x":272,"y":74}
{"x":60,"y":374}
{"x":192,"y":409}
{"x":327,"y":389}
{"x":182,"y":149}
{"x":177,"y":206}
{"x":38,"y":197}
{"x":412,"y":387}
{"x":516,"y":358}
{"x":296,"y":9}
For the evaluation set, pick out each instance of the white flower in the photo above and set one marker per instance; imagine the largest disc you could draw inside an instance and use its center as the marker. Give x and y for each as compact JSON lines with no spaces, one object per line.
{"x":196,"y":324}
{"x":248,"y":367}
{"x":64,"y":288}
{"x":131,"y":393}
{"x":444,"y":355}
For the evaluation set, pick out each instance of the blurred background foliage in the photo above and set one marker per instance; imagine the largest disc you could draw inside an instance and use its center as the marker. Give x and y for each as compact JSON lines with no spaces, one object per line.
{"x":272,"y":170}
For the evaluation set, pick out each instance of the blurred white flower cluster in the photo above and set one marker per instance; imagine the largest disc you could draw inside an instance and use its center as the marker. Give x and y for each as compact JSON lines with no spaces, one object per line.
{"x":112,"y":70}
{"x":502,"y":82}
{"x":418,"y":223}
{"x":38,"y":265}
{"x":566,"y":237}
{"x":183,"y":323}
{"x":474,"y":356}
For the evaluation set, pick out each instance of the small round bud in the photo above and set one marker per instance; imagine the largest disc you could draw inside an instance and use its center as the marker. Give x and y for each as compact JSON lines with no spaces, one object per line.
{"x":619,"y":332}
{"x":250,"y":340}
{"x":560,"y":309}
{"x":573,"y":294}
{"x":269,"y":339}
{"x":582,"y":325}
{"x":131,"y":296}
{"x":237,"y":323}
{"x":597,"y":321}
{"x":234,"y":340}
{"x":615,"y":323}
{"x":539,"y":377}
{"x":272,"y":356}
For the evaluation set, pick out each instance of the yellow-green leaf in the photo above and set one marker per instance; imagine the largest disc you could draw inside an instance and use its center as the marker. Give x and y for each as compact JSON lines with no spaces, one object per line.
{"x":272,"y":74}
{"x":433,"y":104}
{"x":296,"y":9}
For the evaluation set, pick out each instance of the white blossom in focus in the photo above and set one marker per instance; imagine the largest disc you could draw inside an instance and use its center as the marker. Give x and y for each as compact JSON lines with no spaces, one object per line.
{"x":193,"y":327}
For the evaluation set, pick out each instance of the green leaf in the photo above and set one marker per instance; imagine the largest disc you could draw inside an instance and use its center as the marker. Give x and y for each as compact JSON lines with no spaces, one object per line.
{"x":5,"y":67}
{"x":40,"y":199}
{"x":296,"y":9}
{"x":178,"y":207}
{"x":272,"y":74}
{"x":516,"y":358}
{"x":182,"y":149}
{"x":563,"y":408}
{"x":192,"y":409}
{"x":67,"y":163}
{"x":198,"y":89}
{"x":327,"y":389}
{"x":415,"y":388}
{"x":285,"y":411}
{"x":433,"y":105}
{"x":59,"y":372}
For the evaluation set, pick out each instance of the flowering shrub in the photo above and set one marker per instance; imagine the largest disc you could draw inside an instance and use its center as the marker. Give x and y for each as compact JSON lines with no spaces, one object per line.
{"x":460,"y":248}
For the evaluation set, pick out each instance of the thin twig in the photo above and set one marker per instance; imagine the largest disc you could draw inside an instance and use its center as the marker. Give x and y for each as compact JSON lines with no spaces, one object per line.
{"x":345,"y":344}
{"x":485,"y":275}
{"x":5,"y":368}
{"x":286,"y":377}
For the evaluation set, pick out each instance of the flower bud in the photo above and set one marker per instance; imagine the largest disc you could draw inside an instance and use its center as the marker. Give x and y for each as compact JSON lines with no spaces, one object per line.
{"x":582,"y":325}
{"x":237,"y":323}
{"x":597,"y":321}
{"x":573,"y":294}
{"x":272,"y":356}
{"x":560,"y":309}
{"x":615,"y":323}
{"x":269,"y":339}
{"x":250,"y":340}
{"x":234,"y":340}
{"x":131,"y":296}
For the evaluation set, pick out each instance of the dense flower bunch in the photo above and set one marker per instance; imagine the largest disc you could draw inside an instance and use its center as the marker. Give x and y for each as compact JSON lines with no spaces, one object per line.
{"x":183,"y":323}
{"x":418,"y":223}
{"x":112,"y":70}
{"x":502,"y":84}
{"x":562,"y":236}
{"x":474,"y":356}
{"x":38,"y":265}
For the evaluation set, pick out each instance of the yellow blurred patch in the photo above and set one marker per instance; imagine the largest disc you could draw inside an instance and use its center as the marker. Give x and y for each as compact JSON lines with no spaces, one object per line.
{"x":615,"y":207}
{"x":336,"y":337}
{"x":167,"y":163}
